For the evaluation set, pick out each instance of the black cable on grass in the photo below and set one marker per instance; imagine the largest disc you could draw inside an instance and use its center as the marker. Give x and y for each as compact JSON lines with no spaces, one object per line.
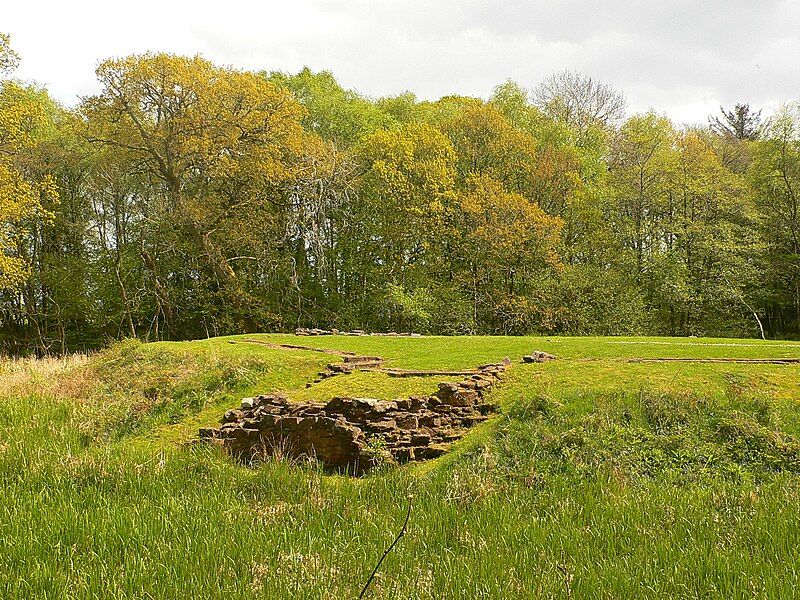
{"x":389,"y":549}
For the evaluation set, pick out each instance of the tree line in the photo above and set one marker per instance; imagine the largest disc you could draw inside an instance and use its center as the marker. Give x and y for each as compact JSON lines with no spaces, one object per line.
{"x":187,"y":199}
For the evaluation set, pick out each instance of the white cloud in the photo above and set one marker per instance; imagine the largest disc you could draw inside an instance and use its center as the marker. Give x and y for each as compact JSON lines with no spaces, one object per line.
{"x":680,"y":57}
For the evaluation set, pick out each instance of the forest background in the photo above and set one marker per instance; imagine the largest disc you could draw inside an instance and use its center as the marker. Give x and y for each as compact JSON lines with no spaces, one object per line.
{"x":188,"y":200}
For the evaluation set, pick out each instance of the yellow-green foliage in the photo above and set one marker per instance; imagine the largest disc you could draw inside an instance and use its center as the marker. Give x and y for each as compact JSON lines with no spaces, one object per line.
{"x":21,"y":197}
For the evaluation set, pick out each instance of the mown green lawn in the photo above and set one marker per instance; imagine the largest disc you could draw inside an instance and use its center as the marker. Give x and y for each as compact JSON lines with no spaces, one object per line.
{"x":600,"y":478}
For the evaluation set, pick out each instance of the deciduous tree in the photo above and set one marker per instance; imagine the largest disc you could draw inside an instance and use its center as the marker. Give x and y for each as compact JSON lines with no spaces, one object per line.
{"x":221,"y":144}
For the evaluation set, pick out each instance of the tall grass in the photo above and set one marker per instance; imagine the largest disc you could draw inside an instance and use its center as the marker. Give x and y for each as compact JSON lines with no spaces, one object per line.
{"x":570,"y":493}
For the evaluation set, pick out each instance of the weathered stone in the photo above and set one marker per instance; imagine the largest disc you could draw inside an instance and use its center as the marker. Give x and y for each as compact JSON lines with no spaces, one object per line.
{"x":418,"y":402}
{"x":362,"y":359}
{"x":462,"y":398}
{"x":447,"y":389}
{"x":387,"y":426}
{"x":430,"y":421}
{"x":305,"y":331}
{"x":232,"y":415}
{"x":408,"y":421}
{"x":450,"y":436}
{"x":538,"y":357}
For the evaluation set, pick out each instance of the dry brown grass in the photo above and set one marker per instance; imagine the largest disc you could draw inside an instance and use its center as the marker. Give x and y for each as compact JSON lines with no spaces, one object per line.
{"x":67,"y":377}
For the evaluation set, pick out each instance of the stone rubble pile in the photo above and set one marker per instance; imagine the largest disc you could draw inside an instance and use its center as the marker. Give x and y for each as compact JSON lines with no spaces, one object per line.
{"x":350,"y":364}
{"x":343,"y":433}
{"x":355,"y":332}
{"x":538,"y":356}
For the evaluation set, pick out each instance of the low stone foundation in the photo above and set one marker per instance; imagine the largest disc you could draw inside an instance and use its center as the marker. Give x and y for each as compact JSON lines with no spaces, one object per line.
{"x":537,"y":356}
{"x":354,"y":434}
{"x":356,"y":332}
{"x":350,"y":364}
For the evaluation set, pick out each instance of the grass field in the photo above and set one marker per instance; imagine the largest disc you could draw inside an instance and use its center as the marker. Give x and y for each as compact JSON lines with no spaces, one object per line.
{"x":599,"y":478}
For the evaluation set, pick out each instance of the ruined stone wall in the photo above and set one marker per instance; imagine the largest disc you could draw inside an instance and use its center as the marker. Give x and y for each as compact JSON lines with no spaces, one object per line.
{"x":343,"y":433}
{"x":305,"y":331}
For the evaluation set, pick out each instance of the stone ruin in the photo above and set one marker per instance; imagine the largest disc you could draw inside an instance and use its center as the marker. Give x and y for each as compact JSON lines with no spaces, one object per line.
{"x":537,"y":356}
{"x":350,"y":364}
{"x":306,"y":331}
{"x":351,"y":435}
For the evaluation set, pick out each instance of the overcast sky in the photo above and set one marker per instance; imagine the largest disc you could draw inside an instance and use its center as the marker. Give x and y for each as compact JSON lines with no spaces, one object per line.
{"x":680,"y":57}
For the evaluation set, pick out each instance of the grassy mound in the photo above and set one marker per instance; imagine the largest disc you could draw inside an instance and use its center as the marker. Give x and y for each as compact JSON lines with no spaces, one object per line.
{"x":599,"y":479}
